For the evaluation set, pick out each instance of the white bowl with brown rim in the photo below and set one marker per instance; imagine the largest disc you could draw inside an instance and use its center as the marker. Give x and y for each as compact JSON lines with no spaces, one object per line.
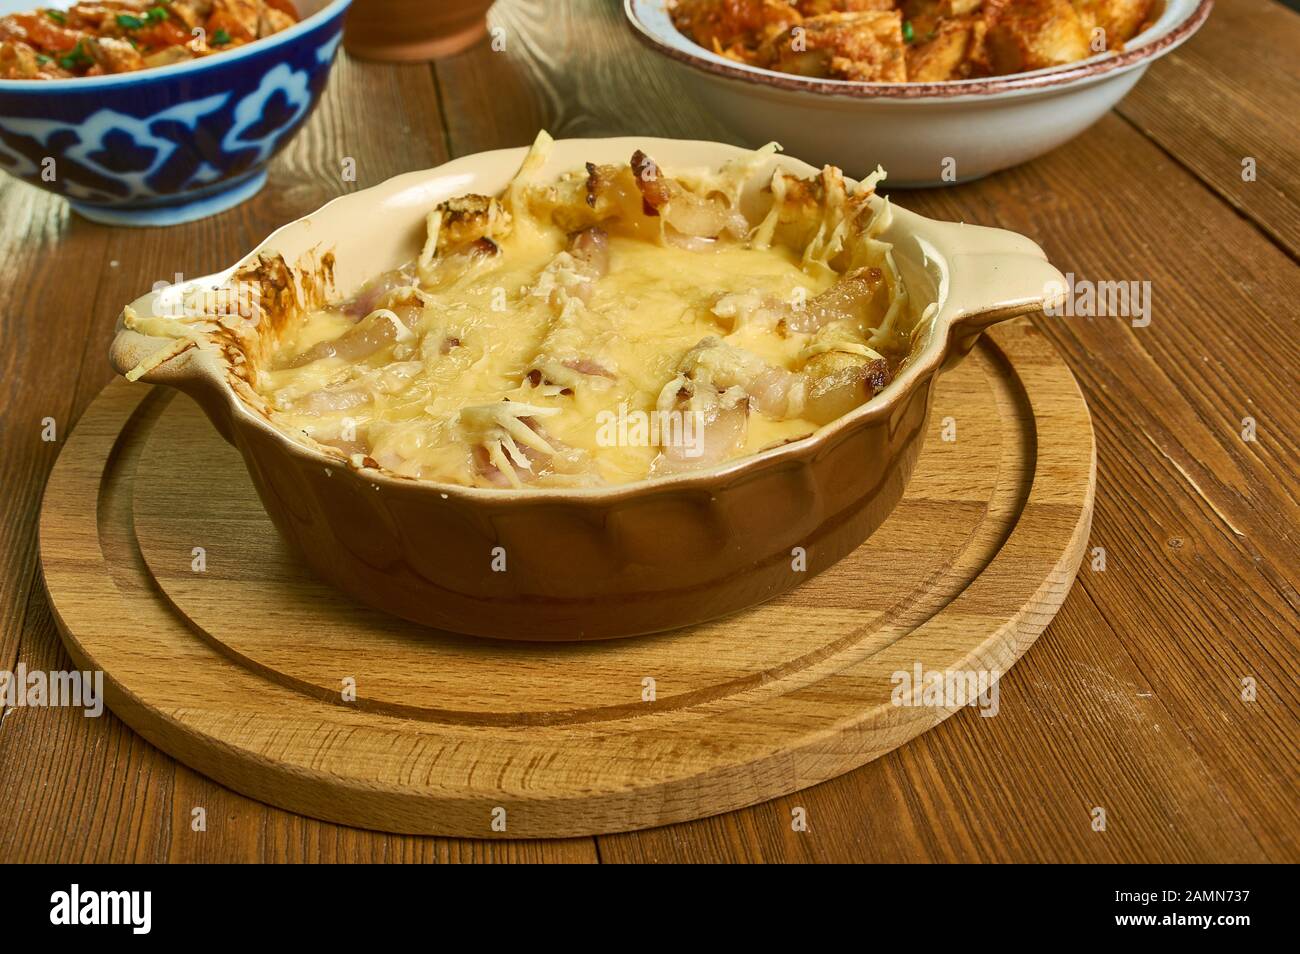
{"x":925,"y":134}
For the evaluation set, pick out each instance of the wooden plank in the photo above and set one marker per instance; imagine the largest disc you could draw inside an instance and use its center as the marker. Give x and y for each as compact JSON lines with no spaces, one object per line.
{"x":50,"y":266}
{"x":1232,"y":94}
{"x":572,"y":68}
{"x":1221,"y":345}
{"x":1028,"y":796}
{"x":1168,"y":399}
{"x":1198,"y":526}
{"x":82,"y":789}
{"x":560,"y":735}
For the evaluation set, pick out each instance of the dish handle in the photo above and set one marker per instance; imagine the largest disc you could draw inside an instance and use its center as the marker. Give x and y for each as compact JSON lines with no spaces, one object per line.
{"x":987,"y":276}
{"x":180,"y":363}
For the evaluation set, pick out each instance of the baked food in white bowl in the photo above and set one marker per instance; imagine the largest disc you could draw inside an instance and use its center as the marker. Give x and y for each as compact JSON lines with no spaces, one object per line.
{"x":924,"y":133}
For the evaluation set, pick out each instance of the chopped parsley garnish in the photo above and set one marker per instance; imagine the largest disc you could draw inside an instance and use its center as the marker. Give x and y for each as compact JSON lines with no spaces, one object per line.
{"x":909,"y":34}
{"x":128,"y":22}
{"x":76,"y":57}
{"x":156,"y":14}
{"x":41,"y":59}
{"x":220,"y":38}
{"x":58,"y":16}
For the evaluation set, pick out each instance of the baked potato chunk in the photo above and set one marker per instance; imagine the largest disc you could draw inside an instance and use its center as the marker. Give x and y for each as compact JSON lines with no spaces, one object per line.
{"x":866,"y":46}
{"x":113,"y":55}
{"x":945,"y":51}
{"x":1026,"y":35}
{"x":816,"y":8}
{"x":915,"y":10}
{"x":17,"y":60}
{"x":939,"y":40}
{"x":735,"y":28}
{"x":1119,"y":19}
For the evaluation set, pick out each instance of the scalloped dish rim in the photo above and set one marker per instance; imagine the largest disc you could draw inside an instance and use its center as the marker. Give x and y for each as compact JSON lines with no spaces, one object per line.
{"x":999,"y":248}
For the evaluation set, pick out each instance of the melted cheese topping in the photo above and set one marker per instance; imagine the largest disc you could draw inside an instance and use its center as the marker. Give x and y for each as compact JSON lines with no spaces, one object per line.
{"x":653,"y":306}
{"x":574,"y":335}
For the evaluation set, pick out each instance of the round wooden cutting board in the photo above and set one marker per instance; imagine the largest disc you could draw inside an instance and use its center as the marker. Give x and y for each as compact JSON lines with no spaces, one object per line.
{"x":221,"y":649}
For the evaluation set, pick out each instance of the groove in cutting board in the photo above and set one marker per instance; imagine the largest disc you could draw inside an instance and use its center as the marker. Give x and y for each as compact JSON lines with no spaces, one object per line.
{"x":238,"y":670}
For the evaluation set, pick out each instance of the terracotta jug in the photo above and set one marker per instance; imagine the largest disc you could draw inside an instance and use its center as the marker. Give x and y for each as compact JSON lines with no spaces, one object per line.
{"x":413,"y":29}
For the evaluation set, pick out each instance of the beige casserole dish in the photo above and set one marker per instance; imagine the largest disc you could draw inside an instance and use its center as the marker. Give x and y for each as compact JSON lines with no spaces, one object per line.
{"x":579,"y":563}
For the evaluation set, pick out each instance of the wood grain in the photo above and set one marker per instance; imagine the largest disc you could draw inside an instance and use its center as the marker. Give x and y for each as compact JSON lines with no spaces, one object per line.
{"x":1109,"y":206}
{"x":1144,"y":654}
{"x":1201,"y":106}
{"x":1201,"y":525}
{"x":962,"y":578}
{"x":126,"y":800}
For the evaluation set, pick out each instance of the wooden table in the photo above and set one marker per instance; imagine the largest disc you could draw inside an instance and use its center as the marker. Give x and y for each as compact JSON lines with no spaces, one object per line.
{"x":1132,"y":699}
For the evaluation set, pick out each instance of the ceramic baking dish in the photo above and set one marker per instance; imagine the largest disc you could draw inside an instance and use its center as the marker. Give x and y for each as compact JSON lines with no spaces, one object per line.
{"x":572,"y":564}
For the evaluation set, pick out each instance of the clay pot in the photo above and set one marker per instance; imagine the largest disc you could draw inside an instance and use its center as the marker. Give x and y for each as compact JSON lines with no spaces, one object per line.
{"x":406,"y":30}
{"x":588,"y":562}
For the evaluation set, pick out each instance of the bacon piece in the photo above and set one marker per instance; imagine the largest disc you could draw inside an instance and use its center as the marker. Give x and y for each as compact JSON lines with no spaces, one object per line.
{"x":587,"y":366}
{"x":847,"y":300}
{"x":838,"y":382}
{"x":703,"y":430}
{"x":383,"y":327}
{"x":373,"y":292}
{"x":591,"y":248}
{"x":690,"y":215}
{"x":470,"y":221}
{"x":654,"y":191}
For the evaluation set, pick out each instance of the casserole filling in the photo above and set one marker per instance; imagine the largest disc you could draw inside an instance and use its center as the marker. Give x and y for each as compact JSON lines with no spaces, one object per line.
{"x":911,"y":41}
{"x":123,"y":36}
{"x":617,"y":323}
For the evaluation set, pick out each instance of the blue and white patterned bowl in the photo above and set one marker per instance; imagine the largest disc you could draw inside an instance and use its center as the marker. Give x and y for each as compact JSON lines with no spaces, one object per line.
{"x":173,"y":144}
